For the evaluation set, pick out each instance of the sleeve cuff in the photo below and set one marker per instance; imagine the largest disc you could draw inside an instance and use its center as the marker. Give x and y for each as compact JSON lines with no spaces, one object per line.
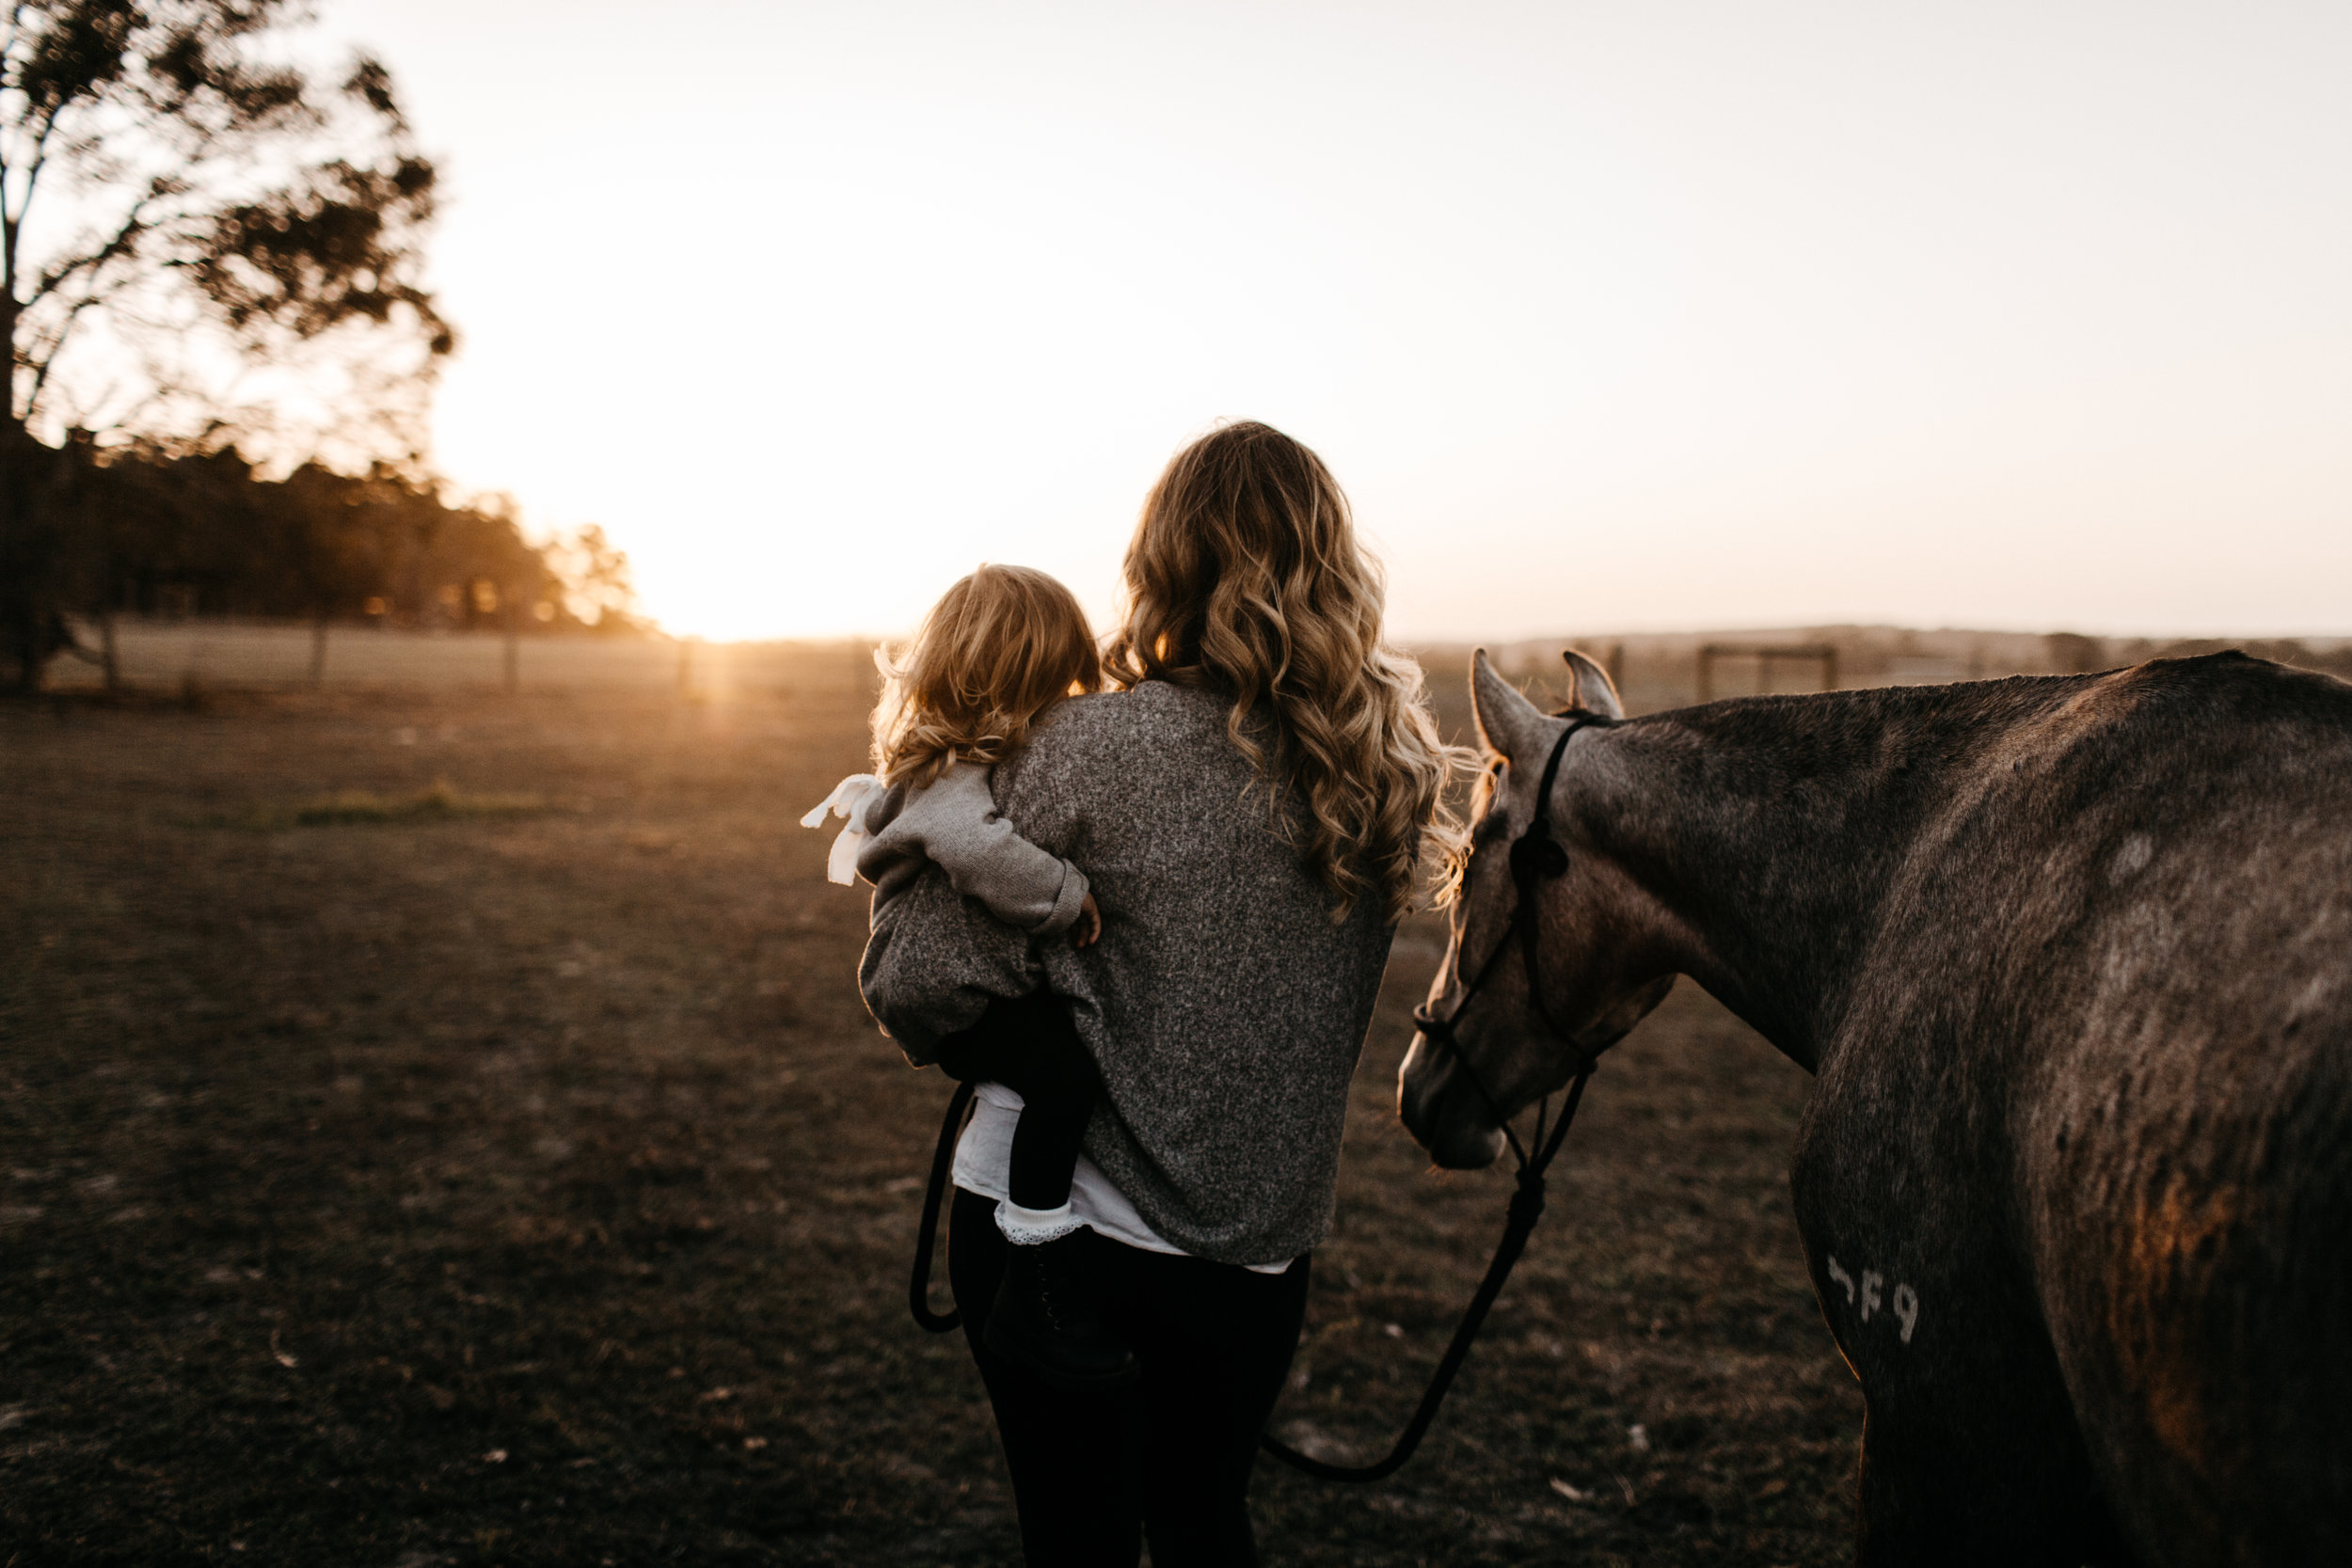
{"x":1067,"y":903}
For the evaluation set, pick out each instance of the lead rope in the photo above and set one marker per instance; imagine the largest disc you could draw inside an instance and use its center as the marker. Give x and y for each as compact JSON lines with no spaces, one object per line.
{"x":1527,"y":1196}
{"x":1534,"y":854}
{"x":1526,"y":1206}
{"x":925,"y":1233}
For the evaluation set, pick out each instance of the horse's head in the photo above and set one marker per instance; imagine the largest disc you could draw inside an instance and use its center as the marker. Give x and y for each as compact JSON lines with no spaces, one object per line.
{"x":1597,"y":956}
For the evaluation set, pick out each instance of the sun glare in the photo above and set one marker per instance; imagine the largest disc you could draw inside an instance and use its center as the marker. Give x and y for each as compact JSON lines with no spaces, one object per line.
{"x":1603,"y":321}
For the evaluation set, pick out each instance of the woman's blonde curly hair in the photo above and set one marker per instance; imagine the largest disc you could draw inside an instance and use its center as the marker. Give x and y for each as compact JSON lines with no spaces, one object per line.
{"x":1245,"y":577}
{"x":998,"y":649}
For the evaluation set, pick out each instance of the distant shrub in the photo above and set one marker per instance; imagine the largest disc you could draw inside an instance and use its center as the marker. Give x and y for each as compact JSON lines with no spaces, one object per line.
{"x":346,"y":807}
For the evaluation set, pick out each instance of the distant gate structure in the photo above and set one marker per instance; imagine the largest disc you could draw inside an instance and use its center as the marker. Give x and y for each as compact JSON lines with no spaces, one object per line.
{"x":1764,"y":654}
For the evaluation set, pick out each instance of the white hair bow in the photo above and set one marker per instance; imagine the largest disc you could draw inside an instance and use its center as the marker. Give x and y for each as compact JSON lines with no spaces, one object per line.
{"x":849,"y":798}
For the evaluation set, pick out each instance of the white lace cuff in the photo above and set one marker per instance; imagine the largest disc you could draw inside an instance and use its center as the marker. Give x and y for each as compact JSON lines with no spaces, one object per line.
{"x":1035,"y":1227}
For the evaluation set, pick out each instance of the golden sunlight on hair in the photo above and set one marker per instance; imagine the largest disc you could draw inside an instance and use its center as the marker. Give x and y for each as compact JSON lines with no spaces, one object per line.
{"x":1245,"y":577}
{"x":999,"y":648}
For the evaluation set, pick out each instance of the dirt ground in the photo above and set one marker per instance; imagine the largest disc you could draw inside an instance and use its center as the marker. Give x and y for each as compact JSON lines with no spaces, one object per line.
{"x":442,"y":1129}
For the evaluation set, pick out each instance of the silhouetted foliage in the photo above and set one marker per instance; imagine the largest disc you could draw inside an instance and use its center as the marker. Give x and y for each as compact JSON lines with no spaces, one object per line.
{"x":202,"y":533}
{"x":201,"y":243}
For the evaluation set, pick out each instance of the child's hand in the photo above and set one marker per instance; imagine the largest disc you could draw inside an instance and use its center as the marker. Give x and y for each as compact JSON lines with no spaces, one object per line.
{"x":1089,"y":926}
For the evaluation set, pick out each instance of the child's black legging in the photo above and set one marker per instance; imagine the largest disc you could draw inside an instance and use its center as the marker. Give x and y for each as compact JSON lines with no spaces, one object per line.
{"x":1031,"y":1047}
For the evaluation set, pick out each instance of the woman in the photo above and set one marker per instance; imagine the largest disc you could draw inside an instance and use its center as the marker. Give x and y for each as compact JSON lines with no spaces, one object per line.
{"x":1249,"y":802}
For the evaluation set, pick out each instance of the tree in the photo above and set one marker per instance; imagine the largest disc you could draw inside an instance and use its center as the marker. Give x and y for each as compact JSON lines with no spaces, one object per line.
{"x":202,"y":242}
{"x":598,"y":591}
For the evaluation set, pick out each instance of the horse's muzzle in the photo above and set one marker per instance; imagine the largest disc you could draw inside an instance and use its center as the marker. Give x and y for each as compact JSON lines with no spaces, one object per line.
{"x":1443,"y":1110}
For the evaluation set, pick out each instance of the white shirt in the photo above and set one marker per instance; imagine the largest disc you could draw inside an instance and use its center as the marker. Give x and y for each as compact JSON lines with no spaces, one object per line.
{"x":984,"y":1165}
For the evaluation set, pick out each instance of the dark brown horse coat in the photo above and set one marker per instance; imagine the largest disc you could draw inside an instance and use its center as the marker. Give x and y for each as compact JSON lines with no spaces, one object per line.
{"x":2072,"y":959}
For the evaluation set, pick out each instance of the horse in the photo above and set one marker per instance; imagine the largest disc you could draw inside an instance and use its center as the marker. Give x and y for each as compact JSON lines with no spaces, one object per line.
{"x":2067,"y":956}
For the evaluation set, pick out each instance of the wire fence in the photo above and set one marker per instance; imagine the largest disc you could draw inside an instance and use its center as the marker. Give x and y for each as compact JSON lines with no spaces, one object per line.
{"x":199,"y":654}
{"x":1654,"y":671}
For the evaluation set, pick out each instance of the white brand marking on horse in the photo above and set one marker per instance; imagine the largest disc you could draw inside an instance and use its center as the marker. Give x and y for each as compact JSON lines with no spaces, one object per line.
{"x":1871,"y":1296}
{"x":1907,"y":1308}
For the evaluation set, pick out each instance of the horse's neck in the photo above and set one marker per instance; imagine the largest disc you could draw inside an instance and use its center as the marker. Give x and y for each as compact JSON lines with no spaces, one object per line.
{"x":1768,"y":834}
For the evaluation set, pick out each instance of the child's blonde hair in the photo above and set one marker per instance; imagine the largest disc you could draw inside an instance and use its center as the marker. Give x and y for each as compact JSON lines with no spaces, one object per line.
{"x":998,"y":649}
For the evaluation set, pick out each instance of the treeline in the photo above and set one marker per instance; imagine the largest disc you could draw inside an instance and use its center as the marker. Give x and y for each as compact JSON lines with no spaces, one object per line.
{"x":149,"y":532}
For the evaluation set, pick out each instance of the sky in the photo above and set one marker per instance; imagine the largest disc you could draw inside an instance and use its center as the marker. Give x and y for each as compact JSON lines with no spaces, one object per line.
{"x":1610,"y":317}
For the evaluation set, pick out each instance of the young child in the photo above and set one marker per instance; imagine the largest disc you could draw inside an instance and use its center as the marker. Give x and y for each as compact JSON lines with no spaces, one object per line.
{"x":1001,"y":648}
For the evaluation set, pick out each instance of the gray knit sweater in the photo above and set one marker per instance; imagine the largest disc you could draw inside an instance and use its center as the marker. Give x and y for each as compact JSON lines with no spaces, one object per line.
{"x":1223,"y":1007}
{"x":953,"y":823}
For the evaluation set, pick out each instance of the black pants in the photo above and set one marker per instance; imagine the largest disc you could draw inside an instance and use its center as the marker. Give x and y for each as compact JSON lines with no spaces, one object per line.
{"x":1031,"y":1047}
{"x":1170,"y":1458}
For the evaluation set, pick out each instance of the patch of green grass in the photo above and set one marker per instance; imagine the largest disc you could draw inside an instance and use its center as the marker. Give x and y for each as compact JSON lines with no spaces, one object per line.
{"x":442,"y":800}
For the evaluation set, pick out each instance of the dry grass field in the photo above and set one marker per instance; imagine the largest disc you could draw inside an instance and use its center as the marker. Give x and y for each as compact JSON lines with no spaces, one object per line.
{"x":440,"y":1128}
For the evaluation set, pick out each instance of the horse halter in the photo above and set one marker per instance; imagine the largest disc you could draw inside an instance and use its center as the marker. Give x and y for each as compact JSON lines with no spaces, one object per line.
{"x":1536,"y":857}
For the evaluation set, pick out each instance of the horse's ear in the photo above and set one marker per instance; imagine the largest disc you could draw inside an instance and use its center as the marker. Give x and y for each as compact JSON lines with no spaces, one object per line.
{"x":1507,"y":722}
{"x":1590,"y":687}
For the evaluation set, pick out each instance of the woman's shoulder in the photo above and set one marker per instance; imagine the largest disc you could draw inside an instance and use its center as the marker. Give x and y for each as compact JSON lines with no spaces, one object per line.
{"x":1120,"y":731}
{"x":1157,"y":712}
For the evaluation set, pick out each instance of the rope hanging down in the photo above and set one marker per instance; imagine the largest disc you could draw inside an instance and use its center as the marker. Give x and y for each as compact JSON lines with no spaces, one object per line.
{"x":919,"y":1290}
{"x":1526,"y":1206}
{"x":1535,"y":856}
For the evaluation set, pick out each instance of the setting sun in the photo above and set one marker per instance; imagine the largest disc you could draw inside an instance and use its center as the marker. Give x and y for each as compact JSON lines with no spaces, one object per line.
{"x":1607,"y":317}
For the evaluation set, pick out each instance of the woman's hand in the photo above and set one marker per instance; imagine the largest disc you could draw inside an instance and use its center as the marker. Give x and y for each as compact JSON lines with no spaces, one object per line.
{"x":1089,"y":926}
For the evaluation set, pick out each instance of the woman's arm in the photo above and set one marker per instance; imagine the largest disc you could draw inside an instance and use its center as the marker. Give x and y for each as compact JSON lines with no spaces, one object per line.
{"x":935,"y":961}
{"x":953,"y":822}
{"x":936,"y":958}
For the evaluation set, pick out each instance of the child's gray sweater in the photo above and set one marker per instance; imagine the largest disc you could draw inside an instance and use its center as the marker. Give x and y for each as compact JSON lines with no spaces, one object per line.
{"x":1224,"y":1007}
{"x":952,"y":823}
